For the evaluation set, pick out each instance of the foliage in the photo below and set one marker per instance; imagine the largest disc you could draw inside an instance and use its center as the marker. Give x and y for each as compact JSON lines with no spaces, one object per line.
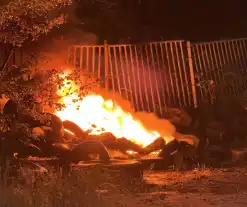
{"x":43,"y":86}
{"x":38,"y":189}
{"x":67,"y":83}
{"x":22,"y":20}
{"x":26,"y":84}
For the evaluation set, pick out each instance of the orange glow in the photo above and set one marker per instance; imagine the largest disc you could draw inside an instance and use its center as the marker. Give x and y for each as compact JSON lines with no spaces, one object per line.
{"x":106,"y":115}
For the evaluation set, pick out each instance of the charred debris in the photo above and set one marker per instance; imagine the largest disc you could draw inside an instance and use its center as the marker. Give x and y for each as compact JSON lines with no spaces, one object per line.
{"x":216,"y":128}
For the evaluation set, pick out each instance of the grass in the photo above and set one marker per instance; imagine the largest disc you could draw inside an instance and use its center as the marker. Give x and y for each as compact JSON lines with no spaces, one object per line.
{"x":50,"y":190}
{"x":94,"y":188}
{"x":84,"y":187}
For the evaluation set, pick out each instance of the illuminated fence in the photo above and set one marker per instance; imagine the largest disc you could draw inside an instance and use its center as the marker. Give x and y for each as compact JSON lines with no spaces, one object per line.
{"x":158,"y":75}
{"x":152,"y":76}
{"x":221,"y":64}
{"x":91,"y":58}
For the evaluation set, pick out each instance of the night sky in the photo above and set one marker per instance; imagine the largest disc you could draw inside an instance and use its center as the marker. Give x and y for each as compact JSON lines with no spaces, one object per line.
{"x":152,"y":20}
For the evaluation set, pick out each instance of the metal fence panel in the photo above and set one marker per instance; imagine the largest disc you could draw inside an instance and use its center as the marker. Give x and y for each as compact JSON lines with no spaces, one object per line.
{"x":157,"y":75}
{"x":152,"y":76}
{"x":88,"y":57}
{"x":220,"y":68}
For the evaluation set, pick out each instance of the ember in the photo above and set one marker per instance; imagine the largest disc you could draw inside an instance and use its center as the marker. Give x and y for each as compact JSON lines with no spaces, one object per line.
{"x":100,"y":114}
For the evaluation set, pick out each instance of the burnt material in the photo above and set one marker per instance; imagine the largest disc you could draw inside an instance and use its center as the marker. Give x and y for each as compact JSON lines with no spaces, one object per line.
{"x":158,"y":144}
{"x":75,"y":129}
{"x":107,"y":138}
{"x":10,"y":108}
{"x":166,"y":154}
{"x":60,"y":149}
{"x":121,"y":144}
{"x":55,"y":122}
{"x":82,"y":151}
{"x":28,"y":149}
{"x":169,"y":148}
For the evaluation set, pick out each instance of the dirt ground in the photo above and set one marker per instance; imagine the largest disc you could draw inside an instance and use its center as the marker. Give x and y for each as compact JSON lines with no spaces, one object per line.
{"x":205,"y":187}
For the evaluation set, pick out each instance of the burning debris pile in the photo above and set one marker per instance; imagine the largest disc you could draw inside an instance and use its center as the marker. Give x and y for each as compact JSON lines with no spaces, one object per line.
{"x":102,"y":127}
{"x":96,"y":127}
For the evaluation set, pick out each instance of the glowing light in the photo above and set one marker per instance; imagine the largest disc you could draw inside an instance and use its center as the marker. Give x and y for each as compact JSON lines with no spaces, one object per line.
{"x":106,"y":115}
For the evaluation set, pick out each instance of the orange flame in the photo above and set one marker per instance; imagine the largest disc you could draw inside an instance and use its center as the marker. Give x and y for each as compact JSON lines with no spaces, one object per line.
{"x":106,"y":115}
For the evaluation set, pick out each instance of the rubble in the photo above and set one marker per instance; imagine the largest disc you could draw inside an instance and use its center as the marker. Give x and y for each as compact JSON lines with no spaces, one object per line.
{"x":75,"y":129}
{"x":204,"y":141}
{"x":50,"y":140}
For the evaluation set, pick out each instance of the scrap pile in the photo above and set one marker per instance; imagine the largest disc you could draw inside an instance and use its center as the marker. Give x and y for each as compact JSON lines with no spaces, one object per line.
{"x":211,"y":131}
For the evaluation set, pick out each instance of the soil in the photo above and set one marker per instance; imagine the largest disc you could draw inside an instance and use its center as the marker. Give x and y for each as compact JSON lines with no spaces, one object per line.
{"x":200,"y":187}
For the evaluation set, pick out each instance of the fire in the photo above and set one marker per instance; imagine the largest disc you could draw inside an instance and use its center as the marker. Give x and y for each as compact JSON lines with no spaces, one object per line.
{"x":98,"y":115}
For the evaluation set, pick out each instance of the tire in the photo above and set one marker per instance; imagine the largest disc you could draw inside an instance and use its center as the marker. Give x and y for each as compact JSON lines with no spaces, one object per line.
{"x":75,"y":129}
{"x":10,"y":108}
{"x":56,"y":123}
{"x":81,"y":152}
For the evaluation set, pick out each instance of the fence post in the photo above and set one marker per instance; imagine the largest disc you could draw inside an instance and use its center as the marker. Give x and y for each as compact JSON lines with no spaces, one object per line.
{"x":106,"y":54}
{"x":192,"y":76}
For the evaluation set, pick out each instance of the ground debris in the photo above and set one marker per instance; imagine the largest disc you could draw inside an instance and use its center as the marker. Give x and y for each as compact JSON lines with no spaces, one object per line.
{"x":199,"y":187}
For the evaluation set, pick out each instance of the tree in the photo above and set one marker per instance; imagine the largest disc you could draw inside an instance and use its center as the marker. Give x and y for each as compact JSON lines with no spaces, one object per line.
{"x":22,"y":20}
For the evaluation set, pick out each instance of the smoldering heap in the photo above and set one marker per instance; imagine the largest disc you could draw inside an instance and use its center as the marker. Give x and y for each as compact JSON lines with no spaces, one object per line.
{"x":206,"y":131}
{"x":25,"y":136}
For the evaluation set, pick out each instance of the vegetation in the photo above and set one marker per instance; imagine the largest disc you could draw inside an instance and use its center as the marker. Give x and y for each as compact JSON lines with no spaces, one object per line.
{"x":26,"y":20}
{"x":21,"y":22}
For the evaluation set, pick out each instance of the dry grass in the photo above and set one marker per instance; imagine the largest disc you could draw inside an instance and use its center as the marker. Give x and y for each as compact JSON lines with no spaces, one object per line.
{"x":50,"y":190}
{"x":204,"y":187}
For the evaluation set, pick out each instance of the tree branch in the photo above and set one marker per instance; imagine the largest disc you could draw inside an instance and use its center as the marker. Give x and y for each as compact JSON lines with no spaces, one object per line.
{"x":7,"y":59}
